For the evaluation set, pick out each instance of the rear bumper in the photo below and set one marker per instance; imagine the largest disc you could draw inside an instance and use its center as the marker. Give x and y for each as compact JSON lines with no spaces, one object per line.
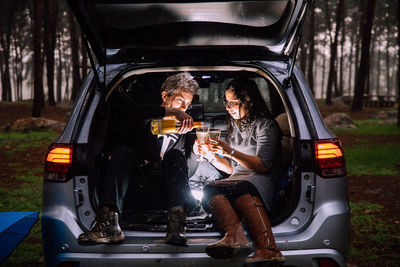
{"x":148,"y":248}
{"x":326,"y":236}
{"x":300,"y":258}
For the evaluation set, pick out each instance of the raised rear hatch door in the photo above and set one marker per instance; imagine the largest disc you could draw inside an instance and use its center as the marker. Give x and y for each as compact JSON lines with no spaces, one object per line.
{"x":120,"y":31}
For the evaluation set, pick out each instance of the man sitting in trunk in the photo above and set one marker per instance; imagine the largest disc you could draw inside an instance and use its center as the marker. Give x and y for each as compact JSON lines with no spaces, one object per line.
{"x":134,"y":141}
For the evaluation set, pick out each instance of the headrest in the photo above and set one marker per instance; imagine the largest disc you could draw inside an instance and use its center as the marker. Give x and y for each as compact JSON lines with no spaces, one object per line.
{"x":283,"y":123}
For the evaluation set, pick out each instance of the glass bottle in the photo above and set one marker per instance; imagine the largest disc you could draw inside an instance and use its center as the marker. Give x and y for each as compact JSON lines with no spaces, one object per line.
{"x":168,"y":126}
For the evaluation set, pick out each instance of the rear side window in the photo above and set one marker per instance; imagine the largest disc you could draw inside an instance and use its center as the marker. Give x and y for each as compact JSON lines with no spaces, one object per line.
{"x":212,"y":91}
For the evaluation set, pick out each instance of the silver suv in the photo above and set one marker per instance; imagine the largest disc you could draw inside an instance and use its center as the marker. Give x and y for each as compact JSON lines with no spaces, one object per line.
{"x":134,"y":46}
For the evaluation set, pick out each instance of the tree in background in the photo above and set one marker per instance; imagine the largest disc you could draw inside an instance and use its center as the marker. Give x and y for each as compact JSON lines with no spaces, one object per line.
{"x":334,"y":44}
{"x":76,"y":80}
{"x":38,"y":96}
{"x":50,"y":24}
{"x":311,"y":41}
{"x":63,"y":55}
{"x":363,"y":70}
{"x":398,"y":68}
{"x":6,"y":24}
{"x":340,"y":68}
{"x":66,"y":58}
{"x":21,"y":43}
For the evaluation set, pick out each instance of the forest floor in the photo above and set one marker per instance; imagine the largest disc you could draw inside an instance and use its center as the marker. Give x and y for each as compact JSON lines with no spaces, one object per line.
{"x":374,"y":201}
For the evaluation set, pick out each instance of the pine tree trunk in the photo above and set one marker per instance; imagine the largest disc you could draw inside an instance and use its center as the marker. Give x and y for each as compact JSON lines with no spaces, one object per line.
{"x":76,"y":80}
{"x":341,"y":71}
{"x":388,"y":85}
{"x":67,"y":69}
{"x":315,"y":75}
{"x":6,"y":77}
{"x":50,"y":22}
{"x":335,"y":79}
{"x":358,"y":40}
{"x":311,"y":42}
{"x":323,"y":71}
{"x":38,"y":98}
{"x":19,"y":72}
{"x":372,"y":55}
{"x":15,"y":69}
{"x":398,"y":65}
{"x":351,"y":57}
{"x":378,"y":70}
{"x":1,"y":62}
{"x":362,"y":72}
{"x":59,"y":68}
{"x":331,"y":76}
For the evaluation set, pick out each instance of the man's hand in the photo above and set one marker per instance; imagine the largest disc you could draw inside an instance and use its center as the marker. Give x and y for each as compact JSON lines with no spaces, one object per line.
{"x":185,"y":119}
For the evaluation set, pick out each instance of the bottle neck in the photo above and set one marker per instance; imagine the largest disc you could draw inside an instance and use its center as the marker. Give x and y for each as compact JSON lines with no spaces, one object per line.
{"x":198,"y":124}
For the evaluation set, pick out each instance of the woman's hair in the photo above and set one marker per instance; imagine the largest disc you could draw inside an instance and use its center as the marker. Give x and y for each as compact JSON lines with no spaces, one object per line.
{"x":247,"y":92}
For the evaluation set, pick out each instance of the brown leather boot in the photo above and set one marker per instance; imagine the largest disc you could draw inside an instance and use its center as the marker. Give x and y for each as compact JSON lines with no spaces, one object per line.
{"x":234,"y":243}
{"x":253,"y":212}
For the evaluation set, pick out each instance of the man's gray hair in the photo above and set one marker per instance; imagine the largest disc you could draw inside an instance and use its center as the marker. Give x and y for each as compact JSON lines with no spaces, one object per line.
{"x":183,"y":81}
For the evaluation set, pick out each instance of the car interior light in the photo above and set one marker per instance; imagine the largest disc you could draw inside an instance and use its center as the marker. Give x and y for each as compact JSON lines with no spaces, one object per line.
{"x":197,"y":194}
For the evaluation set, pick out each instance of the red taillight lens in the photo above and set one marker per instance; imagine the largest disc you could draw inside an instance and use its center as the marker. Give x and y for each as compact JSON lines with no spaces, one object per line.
{"x":58,"y":163}
{"x":329,"y":158}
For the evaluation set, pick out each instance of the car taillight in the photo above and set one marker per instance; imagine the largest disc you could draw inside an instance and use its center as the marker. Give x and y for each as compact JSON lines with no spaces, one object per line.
{"x":58,"y":163}
{"x":329,"y":158}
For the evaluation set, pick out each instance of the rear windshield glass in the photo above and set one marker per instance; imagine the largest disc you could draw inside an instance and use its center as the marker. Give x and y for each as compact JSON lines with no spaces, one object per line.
{"x":136,"y":15}
{"x":145,"y":89}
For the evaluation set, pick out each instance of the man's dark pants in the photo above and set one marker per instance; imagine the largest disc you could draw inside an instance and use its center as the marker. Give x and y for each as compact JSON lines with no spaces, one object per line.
{"x":123,"y":169}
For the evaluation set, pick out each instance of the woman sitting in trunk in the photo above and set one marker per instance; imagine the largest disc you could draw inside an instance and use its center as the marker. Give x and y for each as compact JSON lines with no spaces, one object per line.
{"x":252,"y":157}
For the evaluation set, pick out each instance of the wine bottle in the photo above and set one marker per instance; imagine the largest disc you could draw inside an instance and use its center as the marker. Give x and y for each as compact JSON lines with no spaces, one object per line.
{"x":168,"y":126}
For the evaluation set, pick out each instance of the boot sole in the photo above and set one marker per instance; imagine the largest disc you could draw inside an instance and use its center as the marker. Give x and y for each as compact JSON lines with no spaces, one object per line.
{"x":104,"y":240}
{"x":222,"y":252}
{"x":243,"y":251}
{"x":176,"y":240}
{"x":116,"y":240}
{"x":268,"y":263}
{"x":179,"y":243}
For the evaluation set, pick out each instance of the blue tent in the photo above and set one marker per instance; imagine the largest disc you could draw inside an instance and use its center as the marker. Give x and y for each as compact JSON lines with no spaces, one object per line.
{"x":14,"y":227}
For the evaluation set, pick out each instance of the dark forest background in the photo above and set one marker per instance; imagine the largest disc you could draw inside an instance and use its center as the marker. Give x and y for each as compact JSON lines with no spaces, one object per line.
{"x":349,"y":50}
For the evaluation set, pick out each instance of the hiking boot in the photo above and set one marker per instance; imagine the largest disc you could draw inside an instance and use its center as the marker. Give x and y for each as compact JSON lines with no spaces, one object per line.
{"x":176,"y":229}
{"x":105,"y":229}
